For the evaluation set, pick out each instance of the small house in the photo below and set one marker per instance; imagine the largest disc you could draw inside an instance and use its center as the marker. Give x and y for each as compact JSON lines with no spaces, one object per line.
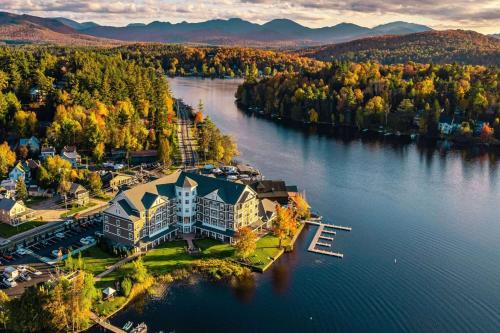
{"x":114,"y":180}
{"x":46,"y":152}
{"x":14,"y":212}
{"x":274,"y":190}
{"x":32,"y":143}
{"x":79,"y":194}
{"x":20,"y":170}
{"x":70,"y":154}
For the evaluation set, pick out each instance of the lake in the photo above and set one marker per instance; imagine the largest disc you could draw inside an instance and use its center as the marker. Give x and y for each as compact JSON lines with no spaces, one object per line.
{"x":423,"y":256}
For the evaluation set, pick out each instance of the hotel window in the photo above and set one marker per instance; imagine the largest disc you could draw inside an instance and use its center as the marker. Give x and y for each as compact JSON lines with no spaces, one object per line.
{"x":106,"y":227}
{"x":130,"y":236}
{"x":118,"y":232}
{"x":187,"y":193}
{"x":117,"y":222}
{"x":179,"y":193}
{"x":186,"y":202}
{"x":105,"y":218}
{"x":130,"y":226}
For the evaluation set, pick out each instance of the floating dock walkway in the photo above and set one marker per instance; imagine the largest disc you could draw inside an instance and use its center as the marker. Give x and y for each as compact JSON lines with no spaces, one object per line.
{"x":318,"y":239}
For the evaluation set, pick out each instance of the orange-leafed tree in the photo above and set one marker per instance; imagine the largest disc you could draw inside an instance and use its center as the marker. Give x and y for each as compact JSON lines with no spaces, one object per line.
{"x":486,"y":132}
{"x":245,"y":242}
{"x":198,"y":118}
{"x":284,"y":224}
{"x":302,"y":208}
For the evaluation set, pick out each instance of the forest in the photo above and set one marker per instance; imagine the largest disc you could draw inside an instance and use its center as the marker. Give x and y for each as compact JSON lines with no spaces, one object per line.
{"x":84,"y":97}
{"x":216,"y":62}
{"x":401,"y":97}
{"x":439,"y":47}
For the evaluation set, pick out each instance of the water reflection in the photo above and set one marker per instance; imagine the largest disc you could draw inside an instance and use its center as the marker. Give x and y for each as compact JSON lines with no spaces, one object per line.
{"x":244,"y":288}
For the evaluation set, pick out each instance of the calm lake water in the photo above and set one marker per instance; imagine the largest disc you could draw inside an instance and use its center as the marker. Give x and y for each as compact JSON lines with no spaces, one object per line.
{"x":436,"y":212}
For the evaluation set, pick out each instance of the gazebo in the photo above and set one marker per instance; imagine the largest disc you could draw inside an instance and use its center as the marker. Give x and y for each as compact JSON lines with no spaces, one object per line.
{"x":109,"y":292}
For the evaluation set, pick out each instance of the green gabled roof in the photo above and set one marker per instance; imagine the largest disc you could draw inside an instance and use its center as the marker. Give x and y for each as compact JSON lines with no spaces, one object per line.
{"x":126,"y":207}
{"x":228,"y":191}
{"x":148,"y":199}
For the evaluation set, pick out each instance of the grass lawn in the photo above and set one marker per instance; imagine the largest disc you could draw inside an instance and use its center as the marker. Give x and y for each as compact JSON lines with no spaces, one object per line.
{"x":75,"y":210}
{"x":96,"y":260}
{"x":267,"y":250}
{"x":109,"y":306}
{"x":32,"y":201}
{"x":8,"y":231}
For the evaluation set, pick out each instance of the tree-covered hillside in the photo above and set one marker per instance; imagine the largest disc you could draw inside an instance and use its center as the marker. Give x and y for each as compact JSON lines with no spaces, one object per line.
{"x":83,"y":97}
{"x":369,"y":95}
{"x":441,"y":47}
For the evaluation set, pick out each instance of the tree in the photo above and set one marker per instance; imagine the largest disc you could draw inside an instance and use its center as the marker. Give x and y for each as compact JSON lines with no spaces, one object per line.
{"x":21,"y":190}
{"x":302,"y":208}
{"x":139,"y":271}
{"x":27,"y":313}
{"x":95,"y":183}
{"x":245,"y":242}
{"x":7,"y":158}
{"x":284,"y":224}
{"x":126,"y":286}
{"x":486,"y":132}
{"x":25,"y":123}
{"x":164,"y":152}
{"x":68,"y":263}
{"x":4,"y":309}
{"x":22,"y":152}
{"x":198,"y":117}
{"x":230,"y":148}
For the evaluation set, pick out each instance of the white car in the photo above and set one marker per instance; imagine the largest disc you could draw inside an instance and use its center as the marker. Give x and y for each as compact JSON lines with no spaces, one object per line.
{"x":91,"y":239}
{"x":22,"y":268}
{"x":21,"y":251}
{"x":118,"y":166}
{"x":25,"y":276}
{"x":85,"y":241}
{"x":60,"y":235}
{"x":9,"y":282}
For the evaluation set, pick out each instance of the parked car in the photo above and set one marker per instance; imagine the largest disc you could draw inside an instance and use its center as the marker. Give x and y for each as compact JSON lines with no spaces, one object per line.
{"x":7,"y":256}
{"x":25,"y":276}
{"x":21,"y":251}
{"x":55,"y":253}
{"x":84,"y":241}
{"x":9,"y":282}
{"x":98,"y":234}
{"x":60,"y":235}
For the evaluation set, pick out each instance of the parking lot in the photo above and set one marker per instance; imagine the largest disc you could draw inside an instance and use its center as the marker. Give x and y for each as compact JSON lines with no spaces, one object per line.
{"x":48,"y":246}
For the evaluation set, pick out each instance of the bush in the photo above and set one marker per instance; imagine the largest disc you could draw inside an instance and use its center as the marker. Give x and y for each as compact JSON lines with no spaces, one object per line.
{"x":126,"y":286}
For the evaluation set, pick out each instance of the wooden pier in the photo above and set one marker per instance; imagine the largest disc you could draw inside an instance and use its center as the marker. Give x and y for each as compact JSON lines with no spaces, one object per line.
{"x":319,"y":239}
{"x":105,"y":324}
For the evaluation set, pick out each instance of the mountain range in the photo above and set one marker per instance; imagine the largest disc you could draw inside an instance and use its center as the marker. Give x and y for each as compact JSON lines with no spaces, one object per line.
{"x":234,"y":31}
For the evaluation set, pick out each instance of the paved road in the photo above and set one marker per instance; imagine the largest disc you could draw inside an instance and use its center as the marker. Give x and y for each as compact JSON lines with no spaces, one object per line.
{"x":186,"y":142}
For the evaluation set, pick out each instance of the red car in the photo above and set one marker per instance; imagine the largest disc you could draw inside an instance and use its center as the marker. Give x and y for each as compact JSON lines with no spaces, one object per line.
{"x":8,"y":257}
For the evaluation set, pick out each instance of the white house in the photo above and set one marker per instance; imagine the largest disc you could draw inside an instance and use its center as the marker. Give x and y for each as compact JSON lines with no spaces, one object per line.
{"x":14,"y":212}
{"x":70,"y":154}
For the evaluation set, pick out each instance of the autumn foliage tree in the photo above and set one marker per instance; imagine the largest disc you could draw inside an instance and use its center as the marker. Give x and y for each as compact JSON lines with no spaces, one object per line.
{"x":302,"y":208}
{"x":285,"y":224}
{"x":7,"y":158}
{"x":245,"y":242}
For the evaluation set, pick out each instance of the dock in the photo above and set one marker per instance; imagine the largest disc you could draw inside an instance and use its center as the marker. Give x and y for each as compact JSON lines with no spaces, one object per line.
{"x":105,"y":324}
{"x":319,"y":240}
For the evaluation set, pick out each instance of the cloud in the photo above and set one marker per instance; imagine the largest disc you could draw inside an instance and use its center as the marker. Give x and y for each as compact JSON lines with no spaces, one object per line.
{"x":481,"y":15}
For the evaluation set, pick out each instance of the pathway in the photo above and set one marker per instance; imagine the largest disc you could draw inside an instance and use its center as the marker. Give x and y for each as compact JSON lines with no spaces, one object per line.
{"x":117,"y":265}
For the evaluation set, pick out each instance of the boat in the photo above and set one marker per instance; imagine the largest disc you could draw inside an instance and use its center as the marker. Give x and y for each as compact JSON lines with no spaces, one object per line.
{"x":141,"y":328}
{"x":127,"y":326}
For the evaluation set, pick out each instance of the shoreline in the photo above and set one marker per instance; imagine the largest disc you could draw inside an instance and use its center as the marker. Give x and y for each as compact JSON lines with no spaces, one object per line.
{"x":160,"y":280}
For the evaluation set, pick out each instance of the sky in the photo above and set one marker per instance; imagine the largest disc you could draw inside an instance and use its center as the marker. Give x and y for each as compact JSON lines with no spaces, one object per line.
{"x":479,"y":15}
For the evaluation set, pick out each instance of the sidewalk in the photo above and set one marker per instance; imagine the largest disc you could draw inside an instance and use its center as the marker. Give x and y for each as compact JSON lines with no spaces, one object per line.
{"x":117,"y":265}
